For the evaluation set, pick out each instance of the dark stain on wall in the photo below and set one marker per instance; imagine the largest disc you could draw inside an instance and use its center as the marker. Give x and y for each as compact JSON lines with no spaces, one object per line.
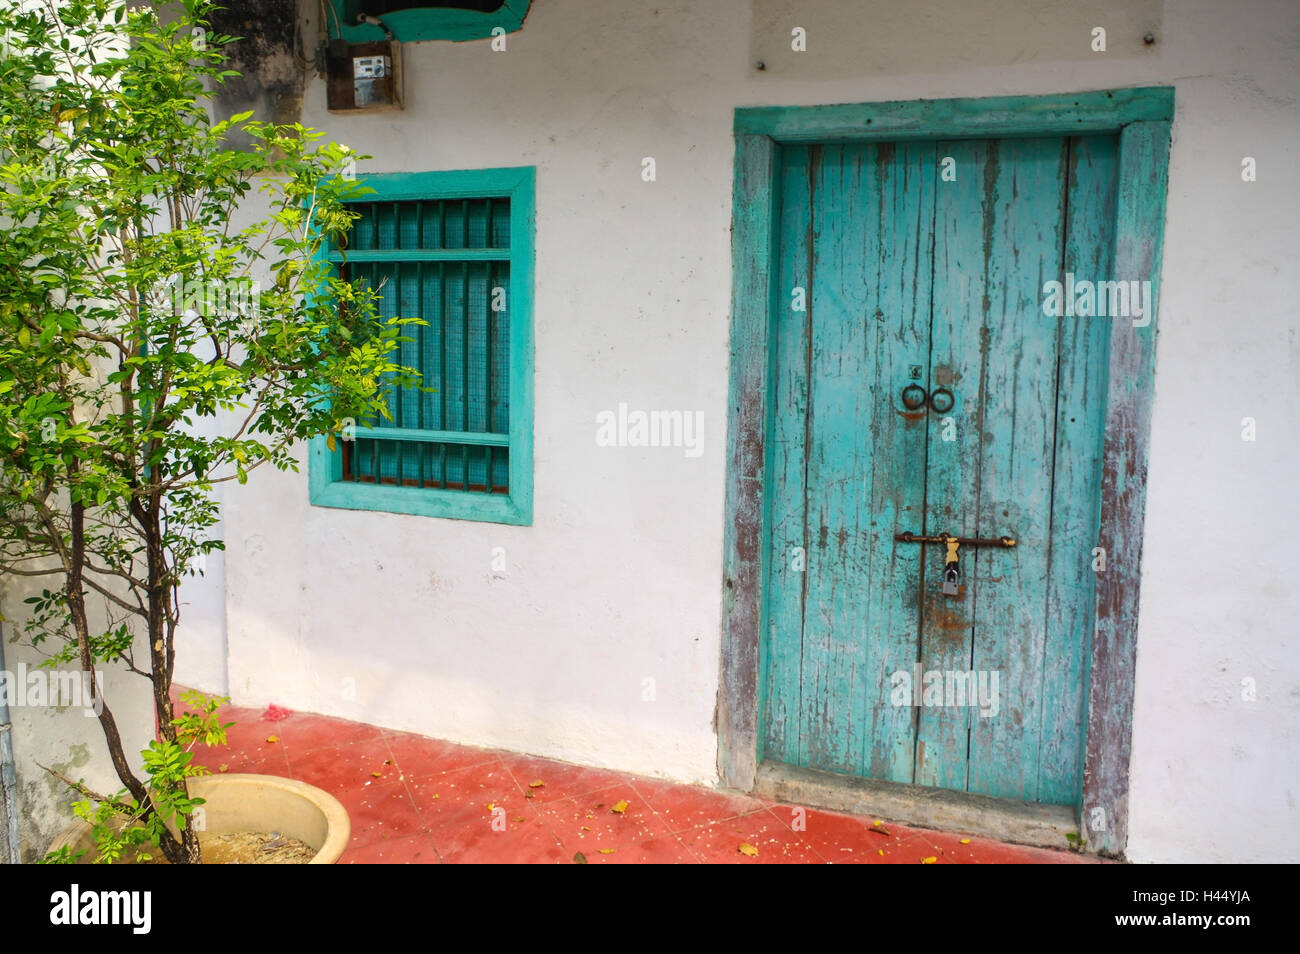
{"x":271,"y":83}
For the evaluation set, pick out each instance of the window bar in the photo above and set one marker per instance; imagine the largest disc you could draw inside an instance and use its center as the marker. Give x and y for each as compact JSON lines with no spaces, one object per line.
{"x":442,"y":358}
{"x":419,"y":339}
{"x":419,"y":346}
{"x":397,"y":392}
{"x":465,"y":315}
{"x":487,"y":358}
{"x":351,"y":463}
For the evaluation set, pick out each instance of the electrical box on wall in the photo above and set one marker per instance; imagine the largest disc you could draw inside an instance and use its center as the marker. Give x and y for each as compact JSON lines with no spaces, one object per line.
{"x":363,"y":76}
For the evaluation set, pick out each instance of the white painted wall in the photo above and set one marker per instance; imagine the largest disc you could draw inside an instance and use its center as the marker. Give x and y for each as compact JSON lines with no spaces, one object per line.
{"x":618,"y":580}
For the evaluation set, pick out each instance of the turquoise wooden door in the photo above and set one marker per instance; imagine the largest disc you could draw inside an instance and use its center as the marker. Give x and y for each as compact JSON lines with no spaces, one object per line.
{"x":924,"y":263}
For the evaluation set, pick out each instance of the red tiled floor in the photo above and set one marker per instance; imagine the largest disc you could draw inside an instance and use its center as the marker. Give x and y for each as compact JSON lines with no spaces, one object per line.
{"x":414,"y":800}
{"x":513,"y":839}
{"x":847,"y":839}
{"x":418,"y":757}
{"x":411,"y":850}
{"x":380,"y":811}
{"x":685,"y":806}
{"x":772,"y":842}
{"x":590,"y":822}
{"x":467,"y":797}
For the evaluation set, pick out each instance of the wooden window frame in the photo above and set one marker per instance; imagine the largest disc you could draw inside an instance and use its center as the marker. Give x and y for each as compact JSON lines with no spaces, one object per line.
{"x":325,"y":467}
{"x":1142,"y":118}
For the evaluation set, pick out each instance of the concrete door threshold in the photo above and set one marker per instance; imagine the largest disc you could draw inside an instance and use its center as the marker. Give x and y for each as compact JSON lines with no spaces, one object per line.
{"x":1025,"y":823}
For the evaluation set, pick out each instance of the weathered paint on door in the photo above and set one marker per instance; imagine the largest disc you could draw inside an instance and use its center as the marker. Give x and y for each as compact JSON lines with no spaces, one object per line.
{"x":907,"y":275}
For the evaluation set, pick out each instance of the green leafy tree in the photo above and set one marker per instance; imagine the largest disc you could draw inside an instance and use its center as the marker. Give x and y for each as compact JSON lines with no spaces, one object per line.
{"x":141,"y":363}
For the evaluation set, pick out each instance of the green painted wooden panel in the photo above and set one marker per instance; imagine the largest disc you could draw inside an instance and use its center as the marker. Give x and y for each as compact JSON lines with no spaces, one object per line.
{"x":907,"y":273}
{"x":1139,"y":239}
{"x":785,"y":583}
{"x":1023,"y":224}
{"x":1084,"y":355}
{"x":1062,"y":114}
{"x":839,"y":435}
{"x":418,"y":258}
{"x":426,"y":23}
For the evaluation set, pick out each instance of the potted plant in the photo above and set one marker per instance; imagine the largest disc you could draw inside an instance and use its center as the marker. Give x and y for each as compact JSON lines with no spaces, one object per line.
{"x":143,"y":363}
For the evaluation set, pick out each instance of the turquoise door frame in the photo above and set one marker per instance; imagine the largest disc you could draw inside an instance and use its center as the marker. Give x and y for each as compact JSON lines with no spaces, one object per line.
{"x":1142,"y":119}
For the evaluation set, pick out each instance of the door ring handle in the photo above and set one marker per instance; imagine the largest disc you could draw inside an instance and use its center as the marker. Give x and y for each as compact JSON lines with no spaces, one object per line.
{"x":942,"y":400}
{"x":913,"y":397}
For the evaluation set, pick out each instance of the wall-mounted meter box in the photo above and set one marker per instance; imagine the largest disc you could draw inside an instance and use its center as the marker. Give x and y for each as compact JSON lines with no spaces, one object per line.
{"x":363,"y":76}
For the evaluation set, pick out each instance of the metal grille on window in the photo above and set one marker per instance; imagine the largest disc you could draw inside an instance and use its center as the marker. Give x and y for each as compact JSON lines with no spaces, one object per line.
{"x":447,"y":262}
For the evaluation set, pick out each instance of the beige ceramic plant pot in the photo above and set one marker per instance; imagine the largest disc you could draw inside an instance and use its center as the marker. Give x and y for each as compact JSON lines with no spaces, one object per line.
{"x":261,"y":803}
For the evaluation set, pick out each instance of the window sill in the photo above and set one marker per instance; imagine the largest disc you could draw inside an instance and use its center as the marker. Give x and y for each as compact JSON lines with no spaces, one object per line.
{"x":424,"y":502}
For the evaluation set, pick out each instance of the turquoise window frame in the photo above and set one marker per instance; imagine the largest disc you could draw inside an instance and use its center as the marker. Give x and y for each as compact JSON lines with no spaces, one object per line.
{"x":413,"y":26}
{"x":325,"y":467}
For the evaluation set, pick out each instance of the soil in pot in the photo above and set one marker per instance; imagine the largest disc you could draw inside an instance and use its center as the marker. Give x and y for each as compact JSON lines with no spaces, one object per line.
{"x":245,"y":848}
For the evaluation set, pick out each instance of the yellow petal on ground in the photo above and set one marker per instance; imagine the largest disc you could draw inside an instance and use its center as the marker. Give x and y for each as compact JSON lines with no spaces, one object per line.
{"x":879,"y":822}
{"x":273,"y":738}
{"x":377,"y":774}
{"x":929,"y":861}
{"x":607,"y":851}
{"x":881,"y":852}
{"x":620,"y":808}
{"x":747,"y":849}
{"x":965,"y":841}
{"x":537,"y":784}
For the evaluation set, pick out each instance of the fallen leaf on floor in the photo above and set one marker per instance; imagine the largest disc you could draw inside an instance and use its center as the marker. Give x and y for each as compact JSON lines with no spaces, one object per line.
{"x":528,"y":794}
{"x":436,"y":795}
{"x":585,"y":828}
{"x":965,"y":841}
{"x":579,"y":859}
{"x":537,"y":784}
{"x":223,"y":767}
{"x":881,"y":852}
{"x":273,"y":738}
{"x":377,"y":774}
{"x":607,"y":851}
{"x":929,"y":861}
{"x":747,"y":849}
{"x":879,"y":829}
{"x":620,"y":807}
{"x":491,"y":806}
{"x":519,"y":818}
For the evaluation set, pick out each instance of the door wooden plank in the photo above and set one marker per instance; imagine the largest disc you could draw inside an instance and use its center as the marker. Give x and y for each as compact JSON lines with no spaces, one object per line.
{"x":841,"y":369}
{"x":1076,"y":496}
{"x":964,"y":277}
{"x":869,"y":314}
{"x":1026,"y":234}
{"x":899,"y":274}
{"x":744,"y":544}
{"x":1139,"y":239}
{"x":788,"y":548}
